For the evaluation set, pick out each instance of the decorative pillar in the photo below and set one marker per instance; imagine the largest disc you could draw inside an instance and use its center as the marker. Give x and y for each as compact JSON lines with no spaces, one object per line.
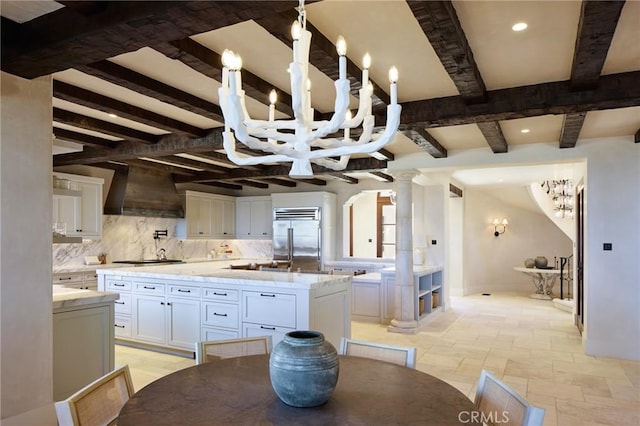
{"x":405,"y":300}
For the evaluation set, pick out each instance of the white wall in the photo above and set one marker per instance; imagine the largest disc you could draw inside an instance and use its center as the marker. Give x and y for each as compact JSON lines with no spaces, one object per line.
{"x":612,"y":278}
{"x":489,"y":260}
{"x":455,"y":265}
{"x":25,"y":252}
{"x":365,"y":225}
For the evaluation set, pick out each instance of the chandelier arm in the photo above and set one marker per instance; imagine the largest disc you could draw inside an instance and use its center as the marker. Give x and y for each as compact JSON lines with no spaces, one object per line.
{"x":229,"y":146}
{"x":364,"y":107}
{"x":393,"y":121}
{"x":340,"y":107}
{"x":365,"y":137}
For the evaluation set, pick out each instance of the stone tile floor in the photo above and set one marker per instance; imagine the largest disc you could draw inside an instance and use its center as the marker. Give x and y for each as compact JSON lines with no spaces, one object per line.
{"x":528,"y":343}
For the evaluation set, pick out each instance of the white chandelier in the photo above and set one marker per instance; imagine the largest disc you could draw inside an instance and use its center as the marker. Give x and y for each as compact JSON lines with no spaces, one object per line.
{"x":296,"y":147}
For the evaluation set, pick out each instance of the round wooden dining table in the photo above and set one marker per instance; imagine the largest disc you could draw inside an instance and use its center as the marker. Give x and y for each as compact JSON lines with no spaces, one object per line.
{"x":238,"y":391}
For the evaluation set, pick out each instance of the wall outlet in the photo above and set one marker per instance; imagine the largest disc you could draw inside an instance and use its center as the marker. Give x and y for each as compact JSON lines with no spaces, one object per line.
{"x":434,"y":242}
{"x":607,"y":246}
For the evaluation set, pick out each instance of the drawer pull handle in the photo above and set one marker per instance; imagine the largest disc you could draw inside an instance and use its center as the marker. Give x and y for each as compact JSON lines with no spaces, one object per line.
{"x":149,"y":288}
{"x":219,"y":315}
{"x":219,"y":294}
{"x":119,"y":326}
{"x":162,"y":303}
{"x":118,"y":285}
{"x":168,"y":303}
{"x":267,"y":328}
{"x":119,"y":303}
{"x":267,"y":295}
{"x":64,"y":278}
{"x":184,"y":291}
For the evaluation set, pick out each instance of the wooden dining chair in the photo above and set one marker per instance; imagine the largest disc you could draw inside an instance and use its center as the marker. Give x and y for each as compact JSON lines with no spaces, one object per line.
{"x":98,"y":403}
{"x":497,"y":401}
{"x":395,"y":354}
{"x":213,"y":350}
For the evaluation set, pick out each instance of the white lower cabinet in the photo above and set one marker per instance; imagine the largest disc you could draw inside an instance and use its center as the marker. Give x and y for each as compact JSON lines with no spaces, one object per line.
{"x":257,"y":330}
{"x":165,"y":320}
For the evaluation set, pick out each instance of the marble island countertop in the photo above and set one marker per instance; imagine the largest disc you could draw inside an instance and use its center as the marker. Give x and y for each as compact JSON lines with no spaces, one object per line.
{"x":222,"y":262}
{"x":208,"y":273}
{"x":66,"y":297}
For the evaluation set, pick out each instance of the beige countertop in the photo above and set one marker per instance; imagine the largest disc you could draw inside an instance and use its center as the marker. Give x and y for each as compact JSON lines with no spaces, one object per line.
{"x":65,"y":297}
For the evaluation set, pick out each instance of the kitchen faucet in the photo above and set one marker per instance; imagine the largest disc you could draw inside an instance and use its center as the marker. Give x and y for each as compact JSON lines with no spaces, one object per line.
{"x":162,"y":254}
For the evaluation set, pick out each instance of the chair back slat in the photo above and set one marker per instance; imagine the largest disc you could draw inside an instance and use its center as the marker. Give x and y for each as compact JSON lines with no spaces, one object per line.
{"x":500,"y":403}
{"x":98,"y":403}
{"x":395,"y":354}
{"x":214,"y":350}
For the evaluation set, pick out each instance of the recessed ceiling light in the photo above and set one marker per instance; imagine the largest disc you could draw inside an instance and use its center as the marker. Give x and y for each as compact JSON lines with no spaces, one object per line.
{"x":525,"y":131}
{"x":520,"y":26}
{"x":112,"y":115}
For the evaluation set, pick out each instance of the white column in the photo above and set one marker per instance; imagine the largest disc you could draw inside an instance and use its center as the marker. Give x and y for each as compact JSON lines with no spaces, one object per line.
{"x":405,"y":296}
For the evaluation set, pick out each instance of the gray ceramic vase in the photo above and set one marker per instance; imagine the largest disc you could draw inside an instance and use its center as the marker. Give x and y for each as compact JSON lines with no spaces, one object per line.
{"x":541,"y":262}
{"x":304,"y":369}
{"x":529,"y":263}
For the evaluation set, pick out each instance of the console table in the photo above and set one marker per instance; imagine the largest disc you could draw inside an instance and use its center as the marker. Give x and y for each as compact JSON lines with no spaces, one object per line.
{"x":543,"y":280}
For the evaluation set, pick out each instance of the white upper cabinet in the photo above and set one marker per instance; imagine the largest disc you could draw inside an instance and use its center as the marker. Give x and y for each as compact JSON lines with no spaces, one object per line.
{"x":79,"y":206}
{"x":254,"y":217}
{"x":208,"y":216}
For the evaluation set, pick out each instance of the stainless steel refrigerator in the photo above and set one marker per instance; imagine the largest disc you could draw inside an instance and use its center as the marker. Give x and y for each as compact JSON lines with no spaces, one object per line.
{"x":296,"y":237}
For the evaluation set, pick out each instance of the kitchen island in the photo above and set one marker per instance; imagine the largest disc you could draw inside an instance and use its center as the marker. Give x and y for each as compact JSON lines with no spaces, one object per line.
{"x":170,"y":307}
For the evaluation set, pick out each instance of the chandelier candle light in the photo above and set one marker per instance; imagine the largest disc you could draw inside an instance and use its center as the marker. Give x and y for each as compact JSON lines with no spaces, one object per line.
{"x":279,"y":146}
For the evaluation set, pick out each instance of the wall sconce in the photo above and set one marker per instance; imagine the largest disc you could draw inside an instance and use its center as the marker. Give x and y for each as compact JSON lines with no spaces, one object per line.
{"x":497,"y":226}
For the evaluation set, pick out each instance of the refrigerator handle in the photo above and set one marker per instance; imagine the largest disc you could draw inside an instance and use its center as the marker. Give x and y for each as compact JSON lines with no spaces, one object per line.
{"x":290,"y":243}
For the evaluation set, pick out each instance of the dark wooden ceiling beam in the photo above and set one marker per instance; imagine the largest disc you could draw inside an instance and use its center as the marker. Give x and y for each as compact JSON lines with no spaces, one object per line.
{"x":439,"y":22}
{"x":132,"y":80}
{"x":345,"y":178}
{"x":90,"y":123}
{"x":613,"y":91}
{"x":152,"y":165}
{"x":424,"y":140}
{"x":84,"y":138}
{"x":209,"y":63}
{"x":80,"y":96}
{"x":69,"y":38}
{"x":383,"y":176}
{"x":219,"y":184}
{"x":167,"y":145}
{"x":495,"y":138}
{"x":187,"y":162}
{"x":637,"y":136}
{"x":313,"y":181}
{"x":281,"y":182}
{"x":282,"y":171}
{"x":245,"y":182}
{"x":571,"y":127}
{"x":323,"y":54}
{"x":598,"y":21}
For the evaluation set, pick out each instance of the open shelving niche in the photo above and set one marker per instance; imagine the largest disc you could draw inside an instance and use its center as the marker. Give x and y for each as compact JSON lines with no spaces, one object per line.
{"x":428,"y":288}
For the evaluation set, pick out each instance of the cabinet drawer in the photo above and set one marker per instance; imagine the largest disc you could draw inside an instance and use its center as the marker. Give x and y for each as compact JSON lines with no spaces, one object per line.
{"x":257,"y":330}
{"x":148,"y":288}
{"x":90,"y":276}
{"x":122,"y":326}
{"x":123,"y":304}
{"x":66,"y":278}
{"x":211,"y":333}
{"x":220,"y":294}
{"x":220,"y":315}
{"x":185,"y":291}
{"x":275,"y":309}
{"x":118,"y":285}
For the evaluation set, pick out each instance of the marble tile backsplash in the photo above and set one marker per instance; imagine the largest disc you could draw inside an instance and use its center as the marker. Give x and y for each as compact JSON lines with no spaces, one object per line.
{"x":131,"y":238}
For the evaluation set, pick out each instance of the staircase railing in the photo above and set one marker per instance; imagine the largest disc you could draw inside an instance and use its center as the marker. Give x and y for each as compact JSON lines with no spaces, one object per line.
{"x":566,"y":275}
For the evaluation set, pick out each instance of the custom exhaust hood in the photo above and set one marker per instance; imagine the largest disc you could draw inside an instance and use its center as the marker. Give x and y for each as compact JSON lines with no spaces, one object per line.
{"x":137,"y":191}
